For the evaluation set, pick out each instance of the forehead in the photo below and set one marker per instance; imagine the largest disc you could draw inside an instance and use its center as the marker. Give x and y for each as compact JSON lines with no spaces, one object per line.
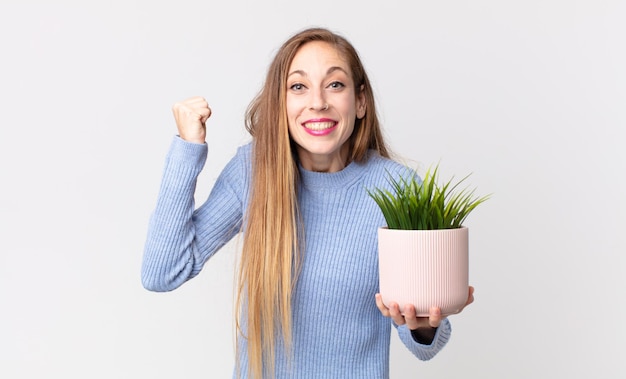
{"x":318,"y":55}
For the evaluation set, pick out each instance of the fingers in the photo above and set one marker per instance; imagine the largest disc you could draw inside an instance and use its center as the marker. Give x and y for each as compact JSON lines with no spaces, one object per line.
{"x":434,"y":317}
{"x":413,"y":322}
{"x":410,"y":319}
{"x":470,"y":296}
{"x":396,"y":315}
{"x":381,"y":306}
{"x":194,"y":108}
{"x":392,"y":312}
{"x":410,"y":316}
{"x":191,"y":115}
{"x":198,"y":106}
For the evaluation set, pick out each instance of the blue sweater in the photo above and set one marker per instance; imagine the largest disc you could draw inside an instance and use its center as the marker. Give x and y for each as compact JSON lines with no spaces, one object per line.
{"x":338,"y":332}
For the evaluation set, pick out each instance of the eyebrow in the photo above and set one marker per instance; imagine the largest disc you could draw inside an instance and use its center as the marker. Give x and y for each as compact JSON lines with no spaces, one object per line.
{"x":328,"y":72}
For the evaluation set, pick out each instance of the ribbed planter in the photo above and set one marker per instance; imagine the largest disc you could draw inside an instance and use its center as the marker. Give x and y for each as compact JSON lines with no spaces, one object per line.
{"x":425,"y":268}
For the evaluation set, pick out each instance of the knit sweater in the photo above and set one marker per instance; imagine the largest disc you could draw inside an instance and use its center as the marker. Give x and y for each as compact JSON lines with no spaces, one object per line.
{"x":338,"y":332}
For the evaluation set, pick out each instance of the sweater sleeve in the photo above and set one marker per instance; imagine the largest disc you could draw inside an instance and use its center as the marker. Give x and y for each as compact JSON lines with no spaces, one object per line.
{"x":180,"y":239}
{"x":426,"y":352}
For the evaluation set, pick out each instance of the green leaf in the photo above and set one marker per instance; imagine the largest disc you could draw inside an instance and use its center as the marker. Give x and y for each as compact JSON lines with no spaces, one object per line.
{"x":421,"y":205}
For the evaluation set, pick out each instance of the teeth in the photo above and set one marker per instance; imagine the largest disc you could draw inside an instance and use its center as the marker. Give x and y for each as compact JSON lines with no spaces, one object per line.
{"x":320,"y":125}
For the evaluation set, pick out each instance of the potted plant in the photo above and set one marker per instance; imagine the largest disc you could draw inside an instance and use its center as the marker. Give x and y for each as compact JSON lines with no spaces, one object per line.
{"x":423,"y":250}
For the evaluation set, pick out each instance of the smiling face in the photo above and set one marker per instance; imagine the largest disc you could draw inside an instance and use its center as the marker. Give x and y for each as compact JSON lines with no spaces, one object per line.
{"x":322,"y":106}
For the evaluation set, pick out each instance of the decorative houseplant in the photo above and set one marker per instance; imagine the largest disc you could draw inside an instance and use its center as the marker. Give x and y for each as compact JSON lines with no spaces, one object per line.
{"x":423,"y":250}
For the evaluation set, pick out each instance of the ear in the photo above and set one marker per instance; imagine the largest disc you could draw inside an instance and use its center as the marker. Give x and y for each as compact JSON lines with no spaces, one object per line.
{"x":361,"y":106}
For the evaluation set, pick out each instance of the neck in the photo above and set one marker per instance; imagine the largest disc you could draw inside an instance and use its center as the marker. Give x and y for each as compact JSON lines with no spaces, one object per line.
{"x":324,"y":163}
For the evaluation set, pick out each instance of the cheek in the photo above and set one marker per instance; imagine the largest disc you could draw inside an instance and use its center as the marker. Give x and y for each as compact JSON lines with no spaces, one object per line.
{"x":347,"y":102}
{"x":293,"y":107}
{"x":348,"y":109}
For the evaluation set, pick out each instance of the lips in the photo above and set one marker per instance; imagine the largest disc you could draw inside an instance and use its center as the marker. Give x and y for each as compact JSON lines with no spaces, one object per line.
{"x":319,"y":127}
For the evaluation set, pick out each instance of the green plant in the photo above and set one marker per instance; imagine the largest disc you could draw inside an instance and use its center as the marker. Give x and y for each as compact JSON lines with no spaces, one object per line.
{"x":413,"y":204}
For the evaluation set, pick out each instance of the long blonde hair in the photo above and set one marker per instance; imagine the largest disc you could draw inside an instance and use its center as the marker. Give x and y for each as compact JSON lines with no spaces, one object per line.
{"x":273,"y":237}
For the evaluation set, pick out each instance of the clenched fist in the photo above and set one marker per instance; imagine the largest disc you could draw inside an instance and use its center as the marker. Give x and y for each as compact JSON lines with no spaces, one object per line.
{"x":191,"y":116}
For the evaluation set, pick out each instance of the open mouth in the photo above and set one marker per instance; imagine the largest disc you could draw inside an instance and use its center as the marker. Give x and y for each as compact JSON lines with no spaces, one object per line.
{"x":320,"y":126}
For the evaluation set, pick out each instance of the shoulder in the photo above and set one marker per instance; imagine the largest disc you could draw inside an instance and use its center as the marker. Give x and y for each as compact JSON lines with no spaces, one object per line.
{"x":245,"y":149}
{"x":375,"y":160}
{"x":381,"y":169}
{"x":244,"y":152}
{"x":243,"y":156}
{"x":387,"y":166}
{"x":239,"y":166}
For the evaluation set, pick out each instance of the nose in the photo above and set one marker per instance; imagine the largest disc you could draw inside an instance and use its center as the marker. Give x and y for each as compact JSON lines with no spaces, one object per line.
{"x":319,"y":108}
{"x":318,"y":101}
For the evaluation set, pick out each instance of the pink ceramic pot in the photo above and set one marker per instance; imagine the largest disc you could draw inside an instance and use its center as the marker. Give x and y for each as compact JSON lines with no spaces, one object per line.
{"x":425,"y":268}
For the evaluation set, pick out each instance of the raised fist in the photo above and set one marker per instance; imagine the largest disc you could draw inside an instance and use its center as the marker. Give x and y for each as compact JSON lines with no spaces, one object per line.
{"x":191,"y":116}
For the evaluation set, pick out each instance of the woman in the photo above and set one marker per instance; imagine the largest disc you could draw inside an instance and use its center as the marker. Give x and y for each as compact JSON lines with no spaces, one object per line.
{"x":307,"y":291}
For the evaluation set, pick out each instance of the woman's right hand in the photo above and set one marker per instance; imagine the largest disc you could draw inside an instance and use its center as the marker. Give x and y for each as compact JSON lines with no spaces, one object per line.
{"x":191,"y":116}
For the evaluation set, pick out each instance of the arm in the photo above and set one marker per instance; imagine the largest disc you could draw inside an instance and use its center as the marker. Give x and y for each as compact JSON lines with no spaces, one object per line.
{"x":180,"y":240}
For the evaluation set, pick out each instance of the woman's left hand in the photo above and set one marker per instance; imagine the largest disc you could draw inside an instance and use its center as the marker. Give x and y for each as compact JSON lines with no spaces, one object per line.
{"x":410,"y":319}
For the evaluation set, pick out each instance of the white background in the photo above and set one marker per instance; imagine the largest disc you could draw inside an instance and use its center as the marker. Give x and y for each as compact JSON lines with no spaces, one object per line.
{"x":528,"y":95}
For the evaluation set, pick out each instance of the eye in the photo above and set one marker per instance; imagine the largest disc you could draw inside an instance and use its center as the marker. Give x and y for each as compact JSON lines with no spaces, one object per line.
{"x":336,"y":85}
{"x":297,"y":87}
